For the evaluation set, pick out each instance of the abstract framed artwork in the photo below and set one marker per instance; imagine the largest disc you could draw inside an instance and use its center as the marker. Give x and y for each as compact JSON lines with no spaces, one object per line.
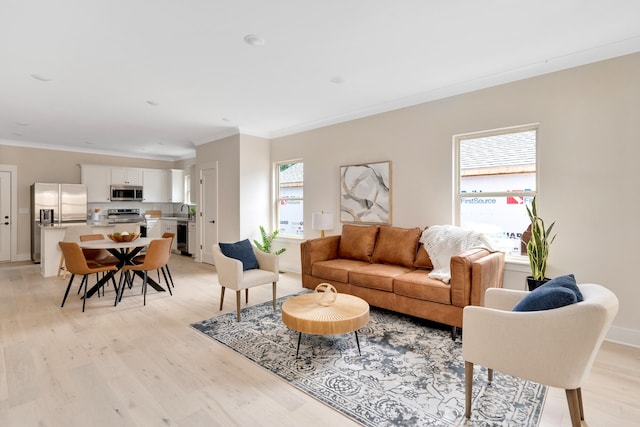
{"x":365,"y":193}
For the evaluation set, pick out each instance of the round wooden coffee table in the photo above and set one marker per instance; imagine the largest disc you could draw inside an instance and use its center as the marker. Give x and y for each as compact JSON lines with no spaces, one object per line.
{"x":347,"y":314}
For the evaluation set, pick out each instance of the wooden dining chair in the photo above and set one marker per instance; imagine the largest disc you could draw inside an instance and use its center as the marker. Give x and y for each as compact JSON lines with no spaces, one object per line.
{"x":140,"y":258}
{"x":77,"y":264}
{"x":97,"y":257}
{"x":100,"y":256}
{"x":156,"y":257}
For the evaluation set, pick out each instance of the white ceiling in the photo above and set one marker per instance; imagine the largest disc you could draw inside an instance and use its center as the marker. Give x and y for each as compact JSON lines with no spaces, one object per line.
{"x":107,"y":59}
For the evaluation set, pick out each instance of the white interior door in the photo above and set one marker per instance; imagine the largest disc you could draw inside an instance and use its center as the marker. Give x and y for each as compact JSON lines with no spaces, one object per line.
{"x":5,"y":216}
{"x":209,"y":219}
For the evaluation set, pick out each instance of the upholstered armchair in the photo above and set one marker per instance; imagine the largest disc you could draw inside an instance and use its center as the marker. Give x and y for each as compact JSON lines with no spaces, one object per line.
{"x":231,"y":274}
{"x":554,"y":347}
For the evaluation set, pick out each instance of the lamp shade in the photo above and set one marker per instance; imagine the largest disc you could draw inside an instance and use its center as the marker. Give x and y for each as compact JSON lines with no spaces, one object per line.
{"x":322,"y":221}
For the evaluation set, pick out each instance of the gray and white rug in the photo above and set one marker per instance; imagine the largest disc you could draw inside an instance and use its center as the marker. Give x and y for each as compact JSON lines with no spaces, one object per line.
{"x":410,"y":372}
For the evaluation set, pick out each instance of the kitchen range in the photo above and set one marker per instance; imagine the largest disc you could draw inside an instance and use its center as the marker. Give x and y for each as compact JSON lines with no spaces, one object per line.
{"x":120,"y":216}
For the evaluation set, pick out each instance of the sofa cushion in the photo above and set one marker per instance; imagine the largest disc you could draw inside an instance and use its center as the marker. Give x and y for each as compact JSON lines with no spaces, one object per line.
{"x":376,"y":276}
{"x":417,"y":284}
{"x":336,"y":269}
{"x":422,"y":258}
{"x":357,"y":242}
{"x":396,"y":245}
{"x":242,"y":251}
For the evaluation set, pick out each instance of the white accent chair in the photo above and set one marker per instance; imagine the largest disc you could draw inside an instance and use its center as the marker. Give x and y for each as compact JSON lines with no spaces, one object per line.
{"x":230,"y":274}
{"x":553,"y":347}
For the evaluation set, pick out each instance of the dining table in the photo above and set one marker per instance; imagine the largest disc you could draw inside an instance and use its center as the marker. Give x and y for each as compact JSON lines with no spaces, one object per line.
{"x":125,"y":252}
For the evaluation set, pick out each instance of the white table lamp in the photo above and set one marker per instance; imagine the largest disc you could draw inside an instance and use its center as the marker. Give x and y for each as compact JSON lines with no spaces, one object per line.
{"x":322,"y":221}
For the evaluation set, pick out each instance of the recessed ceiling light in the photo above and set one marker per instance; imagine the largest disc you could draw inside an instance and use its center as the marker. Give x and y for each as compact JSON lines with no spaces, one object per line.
{"x":41,"y":77}
{"x":337,"y":80}
{"x":22,"y":124}
{"x":153,"y":103}
{"x":253,"y":40}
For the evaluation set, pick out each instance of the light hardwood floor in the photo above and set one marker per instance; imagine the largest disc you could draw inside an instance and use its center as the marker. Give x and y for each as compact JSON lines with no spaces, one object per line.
{"x":145,"y":366}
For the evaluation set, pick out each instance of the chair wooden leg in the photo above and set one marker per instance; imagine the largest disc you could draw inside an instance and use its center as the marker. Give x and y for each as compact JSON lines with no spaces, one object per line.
{"x":580,"y":401}
{"x":490,"y":375}
{"x":221,"y":297}
{"x":166,"y":281}
{"x":238,"y":297}
{"x":468,"y":386}
{"x":66,"y":293}
{"x":246,"y":296}
{"x":575,"y":406}
{"x":144,"y":287}
{"x":169,"y":273}
{"x":274,"y":294}
{"x":85,"y":280}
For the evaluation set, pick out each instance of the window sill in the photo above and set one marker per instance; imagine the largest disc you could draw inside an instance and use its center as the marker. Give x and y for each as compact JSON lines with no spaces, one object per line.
{"x":288,"y":238}
{"x":517,"y":263}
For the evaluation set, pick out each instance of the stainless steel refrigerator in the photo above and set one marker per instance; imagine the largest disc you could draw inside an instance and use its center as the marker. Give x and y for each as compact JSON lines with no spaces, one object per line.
{"x":68,"y":202}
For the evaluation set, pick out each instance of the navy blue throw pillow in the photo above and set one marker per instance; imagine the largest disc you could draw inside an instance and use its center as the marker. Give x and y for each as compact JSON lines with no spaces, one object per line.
{"x":556,"y":293}
{"x":242,"y":251}
{"x":546,"y":299}
{"x":568,"y":282}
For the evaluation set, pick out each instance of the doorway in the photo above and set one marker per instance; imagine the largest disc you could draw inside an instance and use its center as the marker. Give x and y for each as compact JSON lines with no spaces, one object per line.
{"x":8,"y":213}
{"x":208,"y":220}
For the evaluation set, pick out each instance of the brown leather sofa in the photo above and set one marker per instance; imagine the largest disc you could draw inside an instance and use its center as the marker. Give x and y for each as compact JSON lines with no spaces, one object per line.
{"x":388,"y":267}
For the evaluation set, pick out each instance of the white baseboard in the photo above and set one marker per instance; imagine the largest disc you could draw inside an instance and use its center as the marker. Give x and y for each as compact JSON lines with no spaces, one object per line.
{"x":624,"y":336}
{"x":23,"y":257}
{"x":290,"y":268}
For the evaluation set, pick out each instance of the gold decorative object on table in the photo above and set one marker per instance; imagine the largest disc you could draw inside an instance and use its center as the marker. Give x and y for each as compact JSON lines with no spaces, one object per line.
{"x":325,"y":294}
{"x":128,"y":237}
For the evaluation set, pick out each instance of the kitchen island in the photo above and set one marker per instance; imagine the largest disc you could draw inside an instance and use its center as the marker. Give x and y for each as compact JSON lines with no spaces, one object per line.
{"x":52,"y":234}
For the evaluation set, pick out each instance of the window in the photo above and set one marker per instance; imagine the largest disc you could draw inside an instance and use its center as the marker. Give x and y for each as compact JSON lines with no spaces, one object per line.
{"x":289,"y":209}
{"x":495,"y":177}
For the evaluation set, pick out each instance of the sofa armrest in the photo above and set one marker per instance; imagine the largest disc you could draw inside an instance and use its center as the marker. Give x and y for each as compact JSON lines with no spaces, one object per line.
{"x":322,"y":249}
{"x":472,"y":273}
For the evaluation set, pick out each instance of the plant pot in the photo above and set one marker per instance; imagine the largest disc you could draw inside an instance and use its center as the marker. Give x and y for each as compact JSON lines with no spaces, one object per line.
{"x":534,"y":283}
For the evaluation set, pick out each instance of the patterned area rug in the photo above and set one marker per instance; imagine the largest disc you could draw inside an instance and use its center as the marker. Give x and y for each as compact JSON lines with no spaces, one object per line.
{"x":410,"y":372}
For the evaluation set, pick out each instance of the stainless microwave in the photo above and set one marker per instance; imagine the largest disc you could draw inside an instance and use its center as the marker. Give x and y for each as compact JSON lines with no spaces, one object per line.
{"x":126,"y":193}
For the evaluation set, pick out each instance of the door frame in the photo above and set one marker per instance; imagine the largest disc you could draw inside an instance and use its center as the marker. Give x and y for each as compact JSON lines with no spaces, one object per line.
{"x":13,"y":171}
{"x":201,"y":233}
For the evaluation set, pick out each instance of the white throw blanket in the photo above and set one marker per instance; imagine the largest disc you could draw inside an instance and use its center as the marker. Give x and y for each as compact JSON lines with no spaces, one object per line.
{"x":444,"y":241}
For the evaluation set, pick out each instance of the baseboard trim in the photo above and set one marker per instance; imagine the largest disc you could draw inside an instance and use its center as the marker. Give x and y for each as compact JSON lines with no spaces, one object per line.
{"x":624,"y":336}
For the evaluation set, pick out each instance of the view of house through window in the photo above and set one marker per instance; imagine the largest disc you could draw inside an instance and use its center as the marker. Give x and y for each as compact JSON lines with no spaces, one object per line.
{"x":289,"y":209}
{"x":496,"y":176}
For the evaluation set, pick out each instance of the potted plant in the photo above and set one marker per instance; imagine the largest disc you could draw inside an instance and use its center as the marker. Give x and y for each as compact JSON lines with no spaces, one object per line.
{"x":538,"y":247}
{"x":265,"y":246}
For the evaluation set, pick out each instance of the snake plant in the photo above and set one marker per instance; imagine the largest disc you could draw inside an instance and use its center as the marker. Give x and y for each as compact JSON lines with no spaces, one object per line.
{"x":265,"y":246}
{"x":538,"y":244}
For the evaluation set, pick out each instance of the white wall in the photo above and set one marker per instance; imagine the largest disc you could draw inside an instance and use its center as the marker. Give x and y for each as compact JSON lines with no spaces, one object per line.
{"x":255,"y":197}
{"x":224,"y":155}
{"x":588,"y":149}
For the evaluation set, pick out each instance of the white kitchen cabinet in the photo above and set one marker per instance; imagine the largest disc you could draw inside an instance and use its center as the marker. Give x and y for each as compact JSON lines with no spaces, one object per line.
{"x":191,"y":230}
{"x":97,"y":178}
{"x":126,"y":176}
{"x":177,"y":186}
{"x":156,"y":186}
{"x":171,"y":226}
{"x":154,"y":228}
